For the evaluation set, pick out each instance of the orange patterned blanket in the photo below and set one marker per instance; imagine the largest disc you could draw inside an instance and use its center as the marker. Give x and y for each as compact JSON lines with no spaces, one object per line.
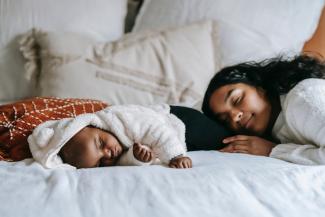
{"x":17,"y":120}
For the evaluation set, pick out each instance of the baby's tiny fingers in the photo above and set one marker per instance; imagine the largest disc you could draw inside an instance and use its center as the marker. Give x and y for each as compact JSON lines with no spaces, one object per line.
{"x":136,"y":151}
{"x":186,"y":164}
{"x":172,"y":165}
{"x":177,"y":164}
{"x":143,"y":153}
{"x":148,"y":156}
{"x":190,"y":163}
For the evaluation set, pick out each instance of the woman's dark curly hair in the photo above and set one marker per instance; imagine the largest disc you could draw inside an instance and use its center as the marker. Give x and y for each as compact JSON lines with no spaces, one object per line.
{"x":276,"y":76}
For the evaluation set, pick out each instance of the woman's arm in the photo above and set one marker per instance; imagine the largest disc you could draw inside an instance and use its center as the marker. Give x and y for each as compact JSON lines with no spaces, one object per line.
{"x":306,"y":154}
{"x":304,"y":112}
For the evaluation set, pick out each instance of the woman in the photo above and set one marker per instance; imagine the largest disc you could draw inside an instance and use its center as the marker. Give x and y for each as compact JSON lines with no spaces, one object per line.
{"x":283,"y":99}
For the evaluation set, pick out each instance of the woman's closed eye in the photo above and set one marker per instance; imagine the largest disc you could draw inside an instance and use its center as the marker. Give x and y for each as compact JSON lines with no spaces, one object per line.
{"x":236,"y":101}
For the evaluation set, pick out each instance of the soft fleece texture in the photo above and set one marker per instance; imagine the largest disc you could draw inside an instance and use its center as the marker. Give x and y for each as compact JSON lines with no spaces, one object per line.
{"x":152,"y":126}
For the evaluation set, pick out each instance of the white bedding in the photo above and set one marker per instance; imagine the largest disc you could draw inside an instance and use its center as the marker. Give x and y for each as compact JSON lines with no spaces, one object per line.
{"x":219,"y":184}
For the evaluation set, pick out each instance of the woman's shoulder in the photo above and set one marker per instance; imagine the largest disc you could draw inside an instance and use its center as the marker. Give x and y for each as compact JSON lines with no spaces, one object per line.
{"x":303,"y":108}
{"x":310,"y":88}
{"x":307,"y":94}
{"x":308,"y":85}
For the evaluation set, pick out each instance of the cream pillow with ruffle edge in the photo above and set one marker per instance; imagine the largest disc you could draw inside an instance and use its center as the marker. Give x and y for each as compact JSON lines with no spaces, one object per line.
{"x":171,"y":66}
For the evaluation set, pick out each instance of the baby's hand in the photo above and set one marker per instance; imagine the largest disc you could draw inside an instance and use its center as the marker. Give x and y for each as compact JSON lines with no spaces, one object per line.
{"x":181,"y":162}
{"x":142,"y":152}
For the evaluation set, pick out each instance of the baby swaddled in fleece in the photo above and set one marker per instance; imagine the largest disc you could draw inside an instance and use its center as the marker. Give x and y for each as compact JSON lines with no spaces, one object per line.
{"x":116,"y":135}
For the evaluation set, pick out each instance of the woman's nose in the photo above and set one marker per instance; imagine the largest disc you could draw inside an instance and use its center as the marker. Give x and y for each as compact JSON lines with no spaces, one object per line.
{"x":236,"y":115}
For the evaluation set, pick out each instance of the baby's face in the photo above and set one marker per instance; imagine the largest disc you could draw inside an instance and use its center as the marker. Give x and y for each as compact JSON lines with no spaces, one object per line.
{"x":91,"y":147}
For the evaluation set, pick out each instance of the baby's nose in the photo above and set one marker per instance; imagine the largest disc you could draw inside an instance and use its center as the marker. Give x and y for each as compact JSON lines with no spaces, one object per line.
{"x":107,"y":153}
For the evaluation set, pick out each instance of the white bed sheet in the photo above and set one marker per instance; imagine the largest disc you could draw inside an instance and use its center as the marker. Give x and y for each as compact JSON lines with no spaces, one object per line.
{"x":219,"y":184}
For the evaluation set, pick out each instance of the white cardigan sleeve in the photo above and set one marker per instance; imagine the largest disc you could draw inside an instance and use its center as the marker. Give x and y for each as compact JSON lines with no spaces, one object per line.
{"x":304,"y":112}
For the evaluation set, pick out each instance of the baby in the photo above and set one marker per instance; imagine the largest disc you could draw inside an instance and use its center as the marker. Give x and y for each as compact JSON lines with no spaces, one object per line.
{"x":116,"y":135}
{"x":93,"y":147}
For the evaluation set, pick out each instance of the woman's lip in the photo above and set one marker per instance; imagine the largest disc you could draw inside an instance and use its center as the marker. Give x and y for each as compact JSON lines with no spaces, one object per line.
{"x":248,"y":122}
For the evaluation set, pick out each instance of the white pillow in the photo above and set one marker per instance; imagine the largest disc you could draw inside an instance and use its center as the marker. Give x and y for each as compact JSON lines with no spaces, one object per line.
{"x":103,"y":19}
{"x":249,"y":29}
{"x":167,"y":66}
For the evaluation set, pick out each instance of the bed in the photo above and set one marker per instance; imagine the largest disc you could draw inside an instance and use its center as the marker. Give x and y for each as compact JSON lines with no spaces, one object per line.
{"x":219,"y":184}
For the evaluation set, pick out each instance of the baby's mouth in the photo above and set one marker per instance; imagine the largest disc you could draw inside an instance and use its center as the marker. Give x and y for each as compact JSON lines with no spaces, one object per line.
{"x":115,"y":153}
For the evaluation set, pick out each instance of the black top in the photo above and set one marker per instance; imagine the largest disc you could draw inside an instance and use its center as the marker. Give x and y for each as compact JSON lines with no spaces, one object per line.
{"x":201,"y":133}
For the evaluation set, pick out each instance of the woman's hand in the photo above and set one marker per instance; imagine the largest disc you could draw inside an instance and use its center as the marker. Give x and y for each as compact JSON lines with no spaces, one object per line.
{"x":180,"y":162}
{"x":248,"y":145}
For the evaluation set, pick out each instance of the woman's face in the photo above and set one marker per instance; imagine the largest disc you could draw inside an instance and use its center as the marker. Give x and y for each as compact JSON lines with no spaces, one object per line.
{"x":244,"y":108}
